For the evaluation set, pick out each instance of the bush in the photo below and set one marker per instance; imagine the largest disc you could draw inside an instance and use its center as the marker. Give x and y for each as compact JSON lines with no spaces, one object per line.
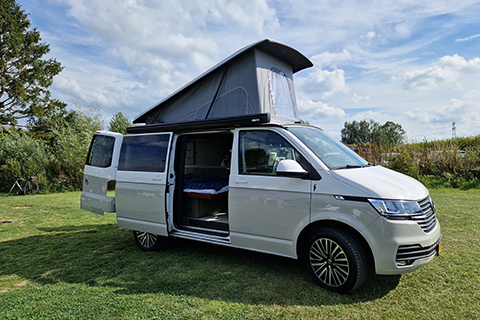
{"x":451,"y":163}
{"x":69,"y":149}
{"x":22,"y":156}
{"x":56,"y":159}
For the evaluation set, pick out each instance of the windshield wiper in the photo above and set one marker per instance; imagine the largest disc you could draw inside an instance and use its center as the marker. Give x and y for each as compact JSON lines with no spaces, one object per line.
{"x":348,"y":166}
{"x":354,"y":166}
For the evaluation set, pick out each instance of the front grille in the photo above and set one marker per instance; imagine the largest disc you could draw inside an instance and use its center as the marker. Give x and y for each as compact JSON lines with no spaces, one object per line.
{"x":427,"y":219}
{"x":407,"y":254}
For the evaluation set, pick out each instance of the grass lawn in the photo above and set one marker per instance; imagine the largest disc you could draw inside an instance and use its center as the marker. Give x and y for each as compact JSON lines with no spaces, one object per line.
{"x":59,"y":262}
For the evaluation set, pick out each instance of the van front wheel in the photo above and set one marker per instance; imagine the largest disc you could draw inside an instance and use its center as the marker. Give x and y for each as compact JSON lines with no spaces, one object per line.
{"x":336,"y":262}
{"x":149,"y":241}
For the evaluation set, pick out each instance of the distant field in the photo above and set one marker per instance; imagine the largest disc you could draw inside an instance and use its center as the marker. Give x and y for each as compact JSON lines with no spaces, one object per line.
{"x":57,"y":261}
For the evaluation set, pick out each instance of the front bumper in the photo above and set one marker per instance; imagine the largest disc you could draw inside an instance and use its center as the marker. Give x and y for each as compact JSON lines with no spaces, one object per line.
{"x":402,"y":246}
{"x":408,"y":254}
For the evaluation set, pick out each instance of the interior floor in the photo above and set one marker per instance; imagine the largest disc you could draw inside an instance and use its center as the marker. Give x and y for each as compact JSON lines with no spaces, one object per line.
{"x":218,"y":221}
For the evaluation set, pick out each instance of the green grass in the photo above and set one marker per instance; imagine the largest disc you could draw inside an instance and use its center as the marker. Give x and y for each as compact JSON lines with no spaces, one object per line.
{"x":59,"y":262}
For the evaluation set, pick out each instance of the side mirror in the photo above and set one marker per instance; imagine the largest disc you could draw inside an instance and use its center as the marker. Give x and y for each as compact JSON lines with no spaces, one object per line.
{"x":291,"y":168}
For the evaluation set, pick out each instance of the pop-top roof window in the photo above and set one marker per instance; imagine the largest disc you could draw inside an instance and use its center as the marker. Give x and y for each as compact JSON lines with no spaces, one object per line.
{"x":281,"y":94}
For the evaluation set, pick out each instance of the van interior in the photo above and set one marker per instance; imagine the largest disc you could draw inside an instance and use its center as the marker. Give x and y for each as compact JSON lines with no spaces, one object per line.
{"x":201,"y":187}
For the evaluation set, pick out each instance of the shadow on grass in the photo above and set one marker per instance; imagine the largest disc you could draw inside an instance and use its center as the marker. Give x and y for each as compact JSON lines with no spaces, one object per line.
{"x":106,"y":256}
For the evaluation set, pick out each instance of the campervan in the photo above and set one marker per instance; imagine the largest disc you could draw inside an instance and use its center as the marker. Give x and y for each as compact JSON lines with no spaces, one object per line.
{"x":224,"y":160}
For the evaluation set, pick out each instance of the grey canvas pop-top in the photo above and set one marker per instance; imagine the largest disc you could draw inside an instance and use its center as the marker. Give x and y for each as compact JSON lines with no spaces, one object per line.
{"x":255,"y":80}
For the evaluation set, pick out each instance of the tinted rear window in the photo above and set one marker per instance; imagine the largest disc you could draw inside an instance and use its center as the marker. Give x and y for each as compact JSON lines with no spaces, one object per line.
{"x":144,"y":153}
{"x":100,"y":152}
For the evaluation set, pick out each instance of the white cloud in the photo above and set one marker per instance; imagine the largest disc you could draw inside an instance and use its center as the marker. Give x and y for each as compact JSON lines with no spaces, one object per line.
{"x":327,"y":59}
{"x":87,"y":82}
{"x":446,"y":70}
{"x":129,"y":54}
{"x":459,"y":64}
{"x":473,"y":97}
{"x":138,"y":26}
{"x":468,"y":119}
{"x":309,"y":109}
{"x":356,"y":98}
{"x":468,"y":38}
{"x":403,"y":30}
{"x":151,"y":48}
{"x":321,"y":84}
{"x":246,"y":13}
{"x":435,"y":121}
{"x":429,"y":78}
{"x":435,"y":113}
{"x":373,"y":115}
{"x":169,"y":36}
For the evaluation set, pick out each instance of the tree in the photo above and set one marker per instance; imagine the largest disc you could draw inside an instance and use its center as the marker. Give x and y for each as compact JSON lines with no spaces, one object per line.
{"x":24,"y":76}
{"x":389,"y":133}
{"x":119,"y":123}
{"x":57,"y":160}
{"x":304,"y":121}
{"x":358,"y":132}
{"x":372,"y":132}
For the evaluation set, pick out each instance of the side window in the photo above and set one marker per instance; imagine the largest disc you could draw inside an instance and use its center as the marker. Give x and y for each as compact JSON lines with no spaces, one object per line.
{"x":100,"y":152}
{"x":144,"y":153}
{"x":261,"y":151}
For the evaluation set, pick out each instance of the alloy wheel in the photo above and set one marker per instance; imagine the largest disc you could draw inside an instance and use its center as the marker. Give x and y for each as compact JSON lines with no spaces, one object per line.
{"x":329,"y":262}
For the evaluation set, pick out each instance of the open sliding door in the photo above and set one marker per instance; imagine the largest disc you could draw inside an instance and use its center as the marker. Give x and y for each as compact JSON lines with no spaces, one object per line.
{"x":142,"y":183}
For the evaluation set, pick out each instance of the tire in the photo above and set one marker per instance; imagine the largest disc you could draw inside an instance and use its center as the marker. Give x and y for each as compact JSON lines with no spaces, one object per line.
{"x":11,"y":189}
{"x":149,"y":241}
{"x":30,"y":189}
{"x":335,"y":261}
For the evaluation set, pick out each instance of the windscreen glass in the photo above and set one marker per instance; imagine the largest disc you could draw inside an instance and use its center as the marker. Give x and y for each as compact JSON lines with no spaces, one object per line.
{"x":334,"y":154}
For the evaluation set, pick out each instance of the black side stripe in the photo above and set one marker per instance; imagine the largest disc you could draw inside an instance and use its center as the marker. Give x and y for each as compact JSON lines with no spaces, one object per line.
{"x":358,"y":199}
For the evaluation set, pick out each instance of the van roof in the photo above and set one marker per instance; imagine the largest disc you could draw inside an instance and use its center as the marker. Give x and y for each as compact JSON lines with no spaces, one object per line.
{"x":238,"y":85}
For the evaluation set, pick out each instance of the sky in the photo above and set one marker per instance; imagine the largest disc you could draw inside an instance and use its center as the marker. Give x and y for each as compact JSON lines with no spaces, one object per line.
{"x":412,"y":62}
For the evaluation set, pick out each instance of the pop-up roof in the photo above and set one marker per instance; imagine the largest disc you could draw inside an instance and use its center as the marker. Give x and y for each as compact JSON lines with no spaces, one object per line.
{"x":257,"y":79}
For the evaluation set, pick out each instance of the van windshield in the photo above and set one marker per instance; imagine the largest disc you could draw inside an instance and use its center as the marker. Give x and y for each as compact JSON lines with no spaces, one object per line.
{"x":334,"y":154}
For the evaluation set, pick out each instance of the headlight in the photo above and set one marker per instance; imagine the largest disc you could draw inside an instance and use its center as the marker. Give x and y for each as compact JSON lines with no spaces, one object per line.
{"x":396,"y":209}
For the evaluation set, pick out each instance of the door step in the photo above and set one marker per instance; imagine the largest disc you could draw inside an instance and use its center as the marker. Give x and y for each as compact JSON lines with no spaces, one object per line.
{"x":200,"y":234}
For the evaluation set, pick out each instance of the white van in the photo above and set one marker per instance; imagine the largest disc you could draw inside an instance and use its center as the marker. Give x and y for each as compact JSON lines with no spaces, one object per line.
{"x":248,"y":181}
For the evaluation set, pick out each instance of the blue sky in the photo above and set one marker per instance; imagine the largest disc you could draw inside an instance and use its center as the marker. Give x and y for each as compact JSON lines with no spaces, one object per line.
{"x":415,"y":63}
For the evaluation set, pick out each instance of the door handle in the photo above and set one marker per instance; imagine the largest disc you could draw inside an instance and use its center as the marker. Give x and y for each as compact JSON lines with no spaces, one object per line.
{"x":241,"y":181}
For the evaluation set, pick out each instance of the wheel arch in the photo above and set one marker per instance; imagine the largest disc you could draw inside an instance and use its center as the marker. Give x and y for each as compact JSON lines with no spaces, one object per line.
{"x":309,"y":230}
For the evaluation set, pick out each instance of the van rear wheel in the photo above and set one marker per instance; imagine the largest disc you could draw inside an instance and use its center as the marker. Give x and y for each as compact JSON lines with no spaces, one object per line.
{"x":336,"y":261}
{"x":149,"y":241}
